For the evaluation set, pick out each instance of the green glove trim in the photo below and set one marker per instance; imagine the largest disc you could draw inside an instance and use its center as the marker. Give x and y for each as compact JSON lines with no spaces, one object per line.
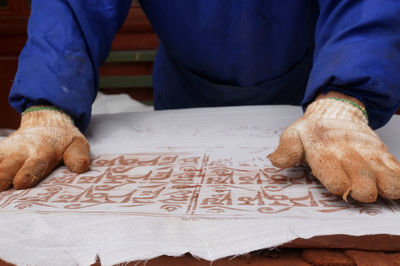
{"x":352,"y":103}
{"x":40,"y":108}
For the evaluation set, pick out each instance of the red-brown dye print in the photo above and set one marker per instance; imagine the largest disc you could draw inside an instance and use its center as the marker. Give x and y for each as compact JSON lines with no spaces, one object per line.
{"x":190,"y":186}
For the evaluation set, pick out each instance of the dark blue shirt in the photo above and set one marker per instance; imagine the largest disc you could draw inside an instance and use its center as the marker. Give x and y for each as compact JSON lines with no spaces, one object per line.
{"x":219,"y":53}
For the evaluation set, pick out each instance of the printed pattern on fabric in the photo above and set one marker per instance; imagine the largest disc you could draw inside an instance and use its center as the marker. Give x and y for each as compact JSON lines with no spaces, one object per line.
{"x":186,"y":185}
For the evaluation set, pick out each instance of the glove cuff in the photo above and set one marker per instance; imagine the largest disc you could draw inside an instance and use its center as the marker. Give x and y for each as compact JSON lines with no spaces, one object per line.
{"x":39,"y":108}
{"x":352,"y":103}
{"x":45,"y":116}
{"x":338,"y":109}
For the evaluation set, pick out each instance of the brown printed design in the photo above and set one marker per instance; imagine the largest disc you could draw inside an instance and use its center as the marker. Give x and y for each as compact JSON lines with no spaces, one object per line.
{"x":188,"y":186}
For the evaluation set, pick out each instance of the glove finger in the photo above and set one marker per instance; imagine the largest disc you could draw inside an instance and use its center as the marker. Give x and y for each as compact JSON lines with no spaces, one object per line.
{"x":77,"y":155}
{"x":3,"y":148}
{"x":8,"y":168}
{"x":327,"y":168}
{"x":290,"y":150}
{"x":35,"y":169}
{"x":363,"y":180}
{"x":2,"y":156}
{"x":387,"y":179}
{"x":388,"y":183}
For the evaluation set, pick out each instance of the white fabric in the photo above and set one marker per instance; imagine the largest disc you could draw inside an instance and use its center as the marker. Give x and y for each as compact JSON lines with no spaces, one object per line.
{"x":171,"y":182}
{"x":117,"y":103}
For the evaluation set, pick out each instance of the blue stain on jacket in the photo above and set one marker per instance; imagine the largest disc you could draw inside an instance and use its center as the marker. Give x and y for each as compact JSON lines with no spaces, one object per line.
{"x":219,"y":53}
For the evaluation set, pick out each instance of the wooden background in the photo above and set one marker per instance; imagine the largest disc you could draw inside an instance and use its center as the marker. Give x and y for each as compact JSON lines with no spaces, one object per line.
{"x":127,"y":69}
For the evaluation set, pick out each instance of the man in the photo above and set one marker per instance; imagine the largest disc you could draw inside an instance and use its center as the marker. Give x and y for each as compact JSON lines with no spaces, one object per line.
{"x":339,"y":59}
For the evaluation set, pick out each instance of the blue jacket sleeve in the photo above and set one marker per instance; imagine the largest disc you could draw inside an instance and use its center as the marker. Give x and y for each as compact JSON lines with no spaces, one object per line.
{"x":357,"y":52}
{"x":67,"y":41}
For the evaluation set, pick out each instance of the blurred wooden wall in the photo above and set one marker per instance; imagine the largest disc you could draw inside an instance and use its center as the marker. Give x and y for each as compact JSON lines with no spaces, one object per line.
{"x":128,"y":68}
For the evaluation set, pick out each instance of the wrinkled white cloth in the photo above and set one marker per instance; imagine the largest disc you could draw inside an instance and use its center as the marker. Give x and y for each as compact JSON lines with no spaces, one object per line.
{"x":117,"y":103}
{"x":171,"y":182}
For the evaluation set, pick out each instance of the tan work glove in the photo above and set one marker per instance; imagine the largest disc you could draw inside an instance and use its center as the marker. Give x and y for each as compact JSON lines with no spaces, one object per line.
{"x":343,"y":152}
{"x":45,"y":137}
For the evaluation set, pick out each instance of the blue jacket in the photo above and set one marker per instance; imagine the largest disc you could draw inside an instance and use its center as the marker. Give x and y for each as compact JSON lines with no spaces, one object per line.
{"x":219,"y":53}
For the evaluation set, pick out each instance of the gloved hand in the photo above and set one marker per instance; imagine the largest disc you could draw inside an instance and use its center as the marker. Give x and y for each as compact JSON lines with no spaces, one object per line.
{"x":45,"y":137}
{"x":343,"y":152}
